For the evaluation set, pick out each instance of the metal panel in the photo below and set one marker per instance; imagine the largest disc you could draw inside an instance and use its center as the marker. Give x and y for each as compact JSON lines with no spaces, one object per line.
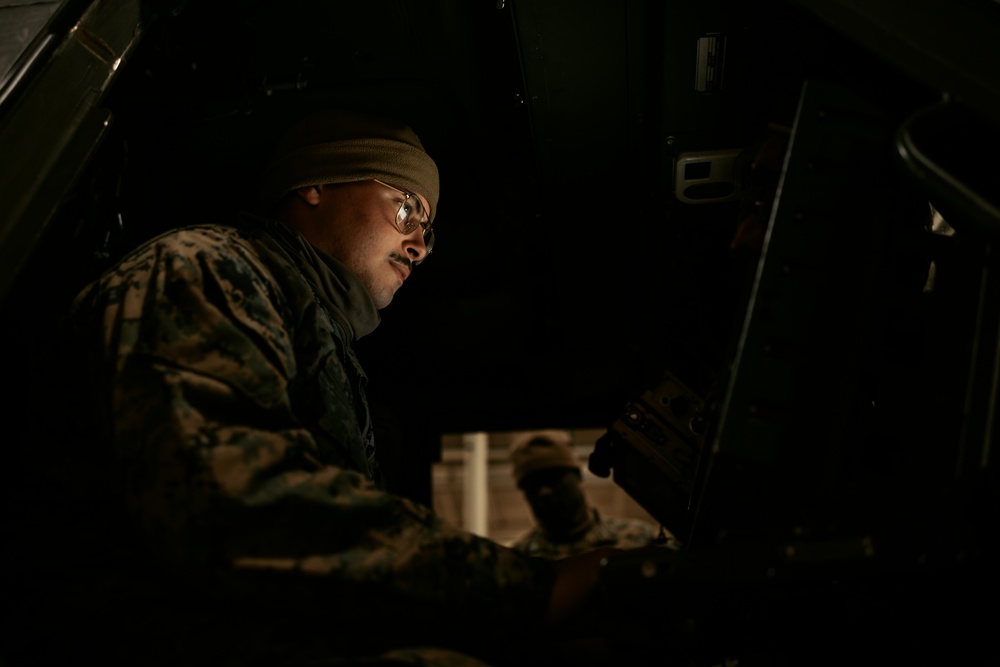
{"x":951,"y":46}
{"x":48,"y":134}
{"x":575,"y":59}
{"x":22,"y":28}
{"x":795,"y":419}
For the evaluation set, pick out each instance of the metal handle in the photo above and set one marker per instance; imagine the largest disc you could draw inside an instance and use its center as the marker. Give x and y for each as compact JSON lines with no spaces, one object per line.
{"x":926,"y":143}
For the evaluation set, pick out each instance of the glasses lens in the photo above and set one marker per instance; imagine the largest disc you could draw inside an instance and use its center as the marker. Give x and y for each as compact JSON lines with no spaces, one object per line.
{"x":410,"y":215}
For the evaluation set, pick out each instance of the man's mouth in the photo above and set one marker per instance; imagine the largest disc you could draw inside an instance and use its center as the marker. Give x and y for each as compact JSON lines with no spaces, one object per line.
{"x":402,"y":267}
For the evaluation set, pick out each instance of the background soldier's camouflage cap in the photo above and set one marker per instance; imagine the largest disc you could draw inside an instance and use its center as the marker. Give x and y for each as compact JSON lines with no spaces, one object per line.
{"x":538,"y":450}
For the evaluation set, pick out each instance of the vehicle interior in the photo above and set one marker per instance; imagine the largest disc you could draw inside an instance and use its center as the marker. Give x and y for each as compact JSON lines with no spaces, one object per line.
{"x":754,"y":241}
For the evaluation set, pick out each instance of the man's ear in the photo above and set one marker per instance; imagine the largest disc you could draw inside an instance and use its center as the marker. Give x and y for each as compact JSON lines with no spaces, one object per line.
{"x":310,"y":194}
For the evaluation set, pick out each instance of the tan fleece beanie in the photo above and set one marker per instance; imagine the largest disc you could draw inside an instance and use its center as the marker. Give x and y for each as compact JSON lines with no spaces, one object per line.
{"x":538,"y":450}
{"x":338,"y":146}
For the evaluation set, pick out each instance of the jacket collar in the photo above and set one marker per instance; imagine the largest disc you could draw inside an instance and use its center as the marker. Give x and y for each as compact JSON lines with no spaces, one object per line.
{"x":336,"y":287}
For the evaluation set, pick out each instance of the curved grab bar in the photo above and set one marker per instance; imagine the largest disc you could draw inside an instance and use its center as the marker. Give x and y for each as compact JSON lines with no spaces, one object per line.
{"x":950,"y":191}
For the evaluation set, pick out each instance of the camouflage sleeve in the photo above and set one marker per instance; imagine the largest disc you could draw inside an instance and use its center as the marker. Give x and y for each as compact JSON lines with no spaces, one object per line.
{"x":529,"y":544}
{"x":220,"y":477}
{"x":636,"y":533}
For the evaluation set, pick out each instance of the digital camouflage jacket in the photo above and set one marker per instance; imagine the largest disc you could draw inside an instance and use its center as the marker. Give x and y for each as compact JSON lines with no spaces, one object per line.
{"x":231,"y":498}
{"x":624,"y":533}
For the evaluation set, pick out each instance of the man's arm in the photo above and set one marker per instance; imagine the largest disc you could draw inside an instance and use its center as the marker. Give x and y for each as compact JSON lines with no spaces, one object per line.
{"x":222,"y":477}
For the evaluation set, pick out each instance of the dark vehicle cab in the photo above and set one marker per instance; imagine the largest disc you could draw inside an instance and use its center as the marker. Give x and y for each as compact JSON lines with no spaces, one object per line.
{"x":754,"y":241}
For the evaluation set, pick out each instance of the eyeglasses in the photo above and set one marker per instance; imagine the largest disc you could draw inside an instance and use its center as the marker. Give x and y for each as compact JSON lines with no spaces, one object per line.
{"x":411,"y":215}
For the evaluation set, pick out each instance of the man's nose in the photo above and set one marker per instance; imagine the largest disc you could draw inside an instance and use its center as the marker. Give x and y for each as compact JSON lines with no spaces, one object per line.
{"x":415,"y":246}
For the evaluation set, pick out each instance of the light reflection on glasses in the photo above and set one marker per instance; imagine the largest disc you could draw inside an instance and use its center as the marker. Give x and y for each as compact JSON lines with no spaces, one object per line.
{"x":411,"y":215}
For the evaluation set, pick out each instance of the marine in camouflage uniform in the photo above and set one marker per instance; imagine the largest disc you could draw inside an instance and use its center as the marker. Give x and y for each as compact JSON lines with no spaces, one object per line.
{"x":548,"y":472}
{"x":229,"y":510}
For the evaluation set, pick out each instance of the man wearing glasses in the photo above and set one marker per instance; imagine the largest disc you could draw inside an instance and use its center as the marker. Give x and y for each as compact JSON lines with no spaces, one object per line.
{"x":239,"y":471}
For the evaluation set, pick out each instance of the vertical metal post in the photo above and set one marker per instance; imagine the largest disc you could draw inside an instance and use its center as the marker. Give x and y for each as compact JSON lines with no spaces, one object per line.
{"x":476,"y":492}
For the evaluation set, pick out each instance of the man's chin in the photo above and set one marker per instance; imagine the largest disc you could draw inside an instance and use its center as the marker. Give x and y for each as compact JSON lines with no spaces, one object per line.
{"x":380,"y":293}
{"x":383,"y":298}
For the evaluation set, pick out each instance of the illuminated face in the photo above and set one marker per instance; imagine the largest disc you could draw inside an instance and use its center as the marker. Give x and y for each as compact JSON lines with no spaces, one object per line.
{"x":356,"y":224}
